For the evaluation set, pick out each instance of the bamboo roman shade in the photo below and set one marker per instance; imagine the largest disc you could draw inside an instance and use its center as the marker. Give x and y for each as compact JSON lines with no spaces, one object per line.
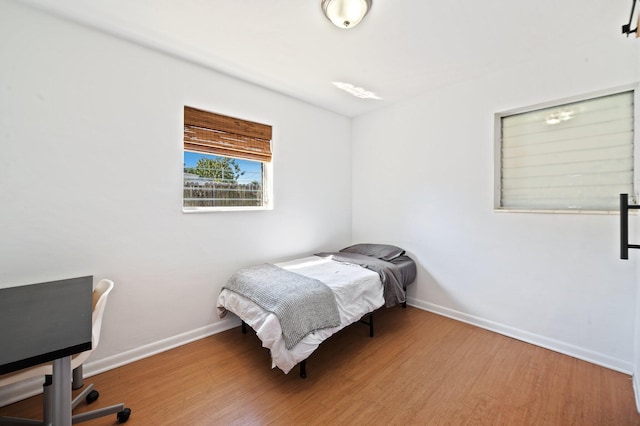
{"x":576,"y":156}
{"x":217,"y":134}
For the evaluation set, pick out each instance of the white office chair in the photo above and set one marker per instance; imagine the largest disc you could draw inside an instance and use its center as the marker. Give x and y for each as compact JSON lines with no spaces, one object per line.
{"x":100,"y":295}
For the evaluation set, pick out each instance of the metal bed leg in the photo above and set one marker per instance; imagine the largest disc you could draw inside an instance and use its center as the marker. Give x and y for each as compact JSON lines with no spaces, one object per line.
{"x":404,"y":304}
{"x":369,"y":322}
{"x":303,"y":368}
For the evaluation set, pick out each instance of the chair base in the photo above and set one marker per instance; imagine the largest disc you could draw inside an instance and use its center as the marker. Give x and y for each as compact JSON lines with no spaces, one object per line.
{"x":118,"y":409}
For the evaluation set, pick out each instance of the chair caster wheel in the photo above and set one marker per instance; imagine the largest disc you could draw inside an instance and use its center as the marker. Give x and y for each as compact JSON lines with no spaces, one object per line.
{"x":123,"y":415}
{"x":92,"y":396}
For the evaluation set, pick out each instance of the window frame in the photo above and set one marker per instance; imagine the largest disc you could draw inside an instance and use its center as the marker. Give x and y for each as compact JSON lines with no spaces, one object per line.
{"x":267,"y":172}
{"x":497,"y":199}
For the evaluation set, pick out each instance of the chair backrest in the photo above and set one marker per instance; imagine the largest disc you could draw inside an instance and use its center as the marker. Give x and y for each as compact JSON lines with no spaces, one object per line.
{"x":100,"y":296}
{"x":99,"y":300}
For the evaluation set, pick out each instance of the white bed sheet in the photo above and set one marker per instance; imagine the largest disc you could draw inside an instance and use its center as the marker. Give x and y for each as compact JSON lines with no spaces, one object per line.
{"x":358,"y":291}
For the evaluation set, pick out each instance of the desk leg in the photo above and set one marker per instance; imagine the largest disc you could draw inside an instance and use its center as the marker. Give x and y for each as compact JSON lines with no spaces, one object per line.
{"x":62,"y":391}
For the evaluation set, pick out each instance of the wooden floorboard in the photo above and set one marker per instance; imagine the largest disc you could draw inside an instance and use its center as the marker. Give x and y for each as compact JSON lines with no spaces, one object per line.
{"x":420,"y":368}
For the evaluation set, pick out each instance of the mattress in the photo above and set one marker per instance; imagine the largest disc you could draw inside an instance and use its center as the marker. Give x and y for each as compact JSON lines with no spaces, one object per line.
{"x":357,"y":290}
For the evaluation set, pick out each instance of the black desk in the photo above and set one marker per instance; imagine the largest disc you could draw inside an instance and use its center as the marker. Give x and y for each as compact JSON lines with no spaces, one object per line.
{"x":47,"y":322}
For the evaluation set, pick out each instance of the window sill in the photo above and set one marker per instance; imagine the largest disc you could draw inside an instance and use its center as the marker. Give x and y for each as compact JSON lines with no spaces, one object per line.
{"x":590,"y":212}
{"x":190,"y":210}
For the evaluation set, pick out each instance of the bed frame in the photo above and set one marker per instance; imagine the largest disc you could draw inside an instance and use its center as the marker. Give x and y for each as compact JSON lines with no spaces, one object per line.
{"x":367,"y":320}
{"x":379,"y":252}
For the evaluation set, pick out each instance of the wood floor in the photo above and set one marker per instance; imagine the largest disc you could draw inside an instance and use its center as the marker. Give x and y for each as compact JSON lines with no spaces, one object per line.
{"x":419,"y":369}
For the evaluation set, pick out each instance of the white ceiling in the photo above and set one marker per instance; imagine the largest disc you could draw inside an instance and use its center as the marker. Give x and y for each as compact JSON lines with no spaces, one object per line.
{"x":402,"y":48}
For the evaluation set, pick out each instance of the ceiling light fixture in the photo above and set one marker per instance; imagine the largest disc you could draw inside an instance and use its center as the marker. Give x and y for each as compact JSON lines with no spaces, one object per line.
{"x":346,"y":13}
{"x":358,"y":92}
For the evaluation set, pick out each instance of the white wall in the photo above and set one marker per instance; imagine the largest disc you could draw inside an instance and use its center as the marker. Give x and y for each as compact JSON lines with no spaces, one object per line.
{"x":91,"y":175}
{"x":634,"y":237}
{"x":552,"y":279}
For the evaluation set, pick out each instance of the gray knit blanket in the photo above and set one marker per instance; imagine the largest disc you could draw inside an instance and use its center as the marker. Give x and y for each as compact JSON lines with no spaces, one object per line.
{"x":302,"y":304}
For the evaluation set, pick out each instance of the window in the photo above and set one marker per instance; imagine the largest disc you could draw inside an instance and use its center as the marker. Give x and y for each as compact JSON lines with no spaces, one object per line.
{"x":573,"y":156}
{"x":227,"y":163}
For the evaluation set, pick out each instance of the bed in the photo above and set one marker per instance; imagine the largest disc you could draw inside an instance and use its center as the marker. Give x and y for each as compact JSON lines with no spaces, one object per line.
{"x":294,"y":306}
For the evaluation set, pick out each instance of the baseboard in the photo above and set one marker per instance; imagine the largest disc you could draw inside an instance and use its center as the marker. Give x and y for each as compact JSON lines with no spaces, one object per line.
{"x":636,"y":388}
{"x":28,"y":388}
{"x":525,"y":336}
{"x":124,"y":358}
{"x":21,"y":390}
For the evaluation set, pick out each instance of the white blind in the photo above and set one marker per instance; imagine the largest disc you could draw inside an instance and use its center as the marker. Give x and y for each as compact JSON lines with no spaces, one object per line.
{"x":576,"y":156}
